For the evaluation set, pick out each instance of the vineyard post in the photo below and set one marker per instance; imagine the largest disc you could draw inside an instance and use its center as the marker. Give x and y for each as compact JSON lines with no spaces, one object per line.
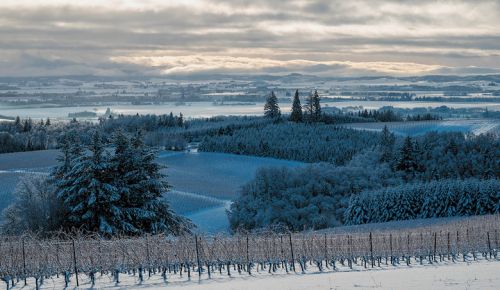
{"x":74,"y":263}
{"x":390,"y":245}
{"x":496,"y":239}
{"x":248,"y":259}
{"x":371,"y":249}
{"x":435,"y":246}
{"x":326,"y":251}
{"x":489,"y":243}
{"x":24,"y":263}
{"x":408,"y":249}
{"x":449,"y":246}
{"x":197,"y":256}
{"x":291,"y":251}
{"x":147,"y":257}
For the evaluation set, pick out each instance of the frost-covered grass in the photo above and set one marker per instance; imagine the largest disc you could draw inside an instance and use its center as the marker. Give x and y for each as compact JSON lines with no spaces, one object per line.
{"x":476,"y":126}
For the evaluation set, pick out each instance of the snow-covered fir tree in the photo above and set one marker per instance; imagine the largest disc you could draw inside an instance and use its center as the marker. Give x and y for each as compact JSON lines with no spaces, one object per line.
{"x":387,"y":141}
{"x":116,"y":192}
{"x":89,"y":193}
{"x":407,"y":162}
{"x":271,"y":108}
{"x":296,"y":115}
{"x":316,"y":107}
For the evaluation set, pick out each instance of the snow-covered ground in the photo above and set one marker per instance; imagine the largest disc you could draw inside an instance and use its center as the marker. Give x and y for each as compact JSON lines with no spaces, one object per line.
{"x":203,"y":183}
{"x":480,"y":274}
{"x":475,"y":126}
{"x":207,"y":109}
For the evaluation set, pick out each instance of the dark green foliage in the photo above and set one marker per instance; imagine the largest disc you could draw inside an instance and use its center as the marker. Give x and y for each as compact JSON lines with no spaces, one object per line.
{"x":296,"y":115}
{"x":381,"y":115}
{"x":435,"y":199}
{"x":271,"y":108}
{"x":302,"y":142}
{"x":89,"y":193}
{"x":312,"y":197}
{"x":119,"y":193}
{"x":387,"y":141}
{"x":316,"y":114}
{"x":407,"y":162}
{"x":313,"y":107}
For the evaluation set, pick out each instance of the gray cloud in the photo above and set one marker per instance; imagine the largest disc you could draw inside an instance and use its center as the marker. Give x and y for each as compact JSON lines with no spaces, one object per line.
{"x":337,"y":37}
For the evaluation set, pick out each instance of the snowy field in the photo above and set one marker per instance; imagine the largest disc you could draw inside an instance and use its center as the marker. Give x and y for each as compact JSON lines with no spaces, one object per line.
{"x":476,"y":126}
{"x":207,"y":109}
{"x":481,"y":274}
{"x":203,"y":183}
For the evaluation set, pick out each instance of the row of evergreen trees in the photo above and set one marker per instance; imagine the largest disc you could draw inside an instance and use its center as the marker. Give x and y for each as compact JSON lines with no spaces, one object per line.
{"x":302,"y":142}
{"x":113,"y":188}
{"x":425,"y":200}
{"x":310,"y":112}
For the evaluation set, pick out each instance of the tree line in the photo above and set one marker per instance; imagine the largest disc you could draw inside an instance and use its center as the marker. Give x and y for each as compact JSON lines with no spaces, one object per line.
{"x":310,"y":112}
{"x":447,"y":198}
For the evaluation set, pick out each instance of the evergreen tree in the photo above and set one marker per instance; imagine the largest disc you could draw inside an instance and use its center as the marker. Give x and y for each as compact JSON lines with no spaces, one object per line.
{"x":28,"y":125}
{"x":271,"y":108}
{"x":47,"y":123}
{"x":387,"y":141}
{"x":71,"y":150}
{"x":296,"y":115}
{"x":309,"y":108}
{"x":316,"y":107}
{"x":180,"y":120}
{"x":146,"y":209}
{"x":89,"y":193}
{"x":18,"y":122}
{"x":407,"y":161}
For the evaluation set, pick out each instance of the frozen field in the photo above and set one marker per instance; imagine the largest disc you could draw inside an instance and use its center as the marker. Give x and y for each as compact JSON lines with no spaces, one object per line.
{"x":206,"y":109}
{"x":203,"y":183}
{"x":480,"y":274}
{"x":476,"y":126}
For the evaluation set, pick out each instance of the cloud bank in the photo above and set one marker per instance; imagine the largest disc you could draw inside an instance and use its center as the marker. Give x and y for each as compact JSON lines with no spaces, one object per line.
{"x":152,"y":37}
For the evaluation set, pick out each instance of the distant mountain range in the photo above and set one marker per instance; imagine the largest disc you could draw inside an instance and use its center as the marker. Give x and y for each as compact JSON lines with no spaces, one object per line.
{"x":289,"y":78}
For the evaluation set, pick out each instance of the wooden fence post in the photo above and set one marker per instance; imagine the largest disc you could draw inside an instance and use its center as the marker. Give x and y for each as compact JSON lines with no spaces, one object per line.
{"x":248,"y":258}
{"x":371,"y":249}
{"x":489,"y":243}
{"x":390,"y":245}
{"x":197,"y":256}
{"x":291,"y":251}
{"x":435,"y":246}
{"x":74,"y":263}
{"x":24,"y":264}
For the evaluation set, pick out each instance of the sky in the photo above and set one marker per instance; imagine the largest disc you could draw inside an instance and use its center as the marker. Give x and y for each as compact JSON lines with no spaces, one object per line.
{"x":196,"y":37}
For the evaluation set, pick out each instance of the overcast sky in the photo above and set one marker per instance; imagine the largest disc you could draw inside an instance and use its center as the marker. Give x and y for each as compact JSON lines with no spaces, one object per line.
{"x":334,"y":38}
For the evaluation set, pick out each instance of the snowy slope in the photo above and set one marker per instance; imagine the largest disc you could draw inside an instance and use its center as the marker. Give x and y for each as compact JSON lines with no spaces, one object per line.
{"x":203,"y":183}
{"x":476,"y":126}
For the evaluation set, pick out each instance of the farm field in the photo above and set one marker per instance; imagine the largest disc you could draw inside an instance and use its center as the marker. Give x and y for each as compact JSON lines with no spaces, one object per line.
{"x":203,"y":183}
{"x":475,"y":126}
